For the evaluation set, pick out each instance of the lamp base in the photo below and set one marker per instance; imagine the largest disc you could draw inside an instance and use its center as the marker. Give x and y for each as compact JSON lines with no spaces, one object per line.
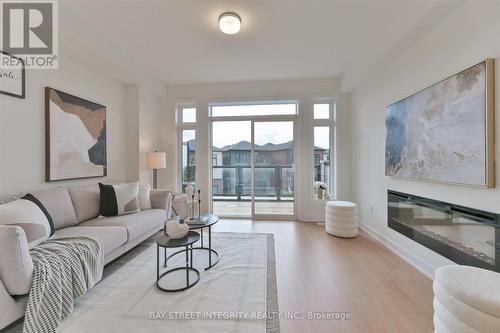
{"x":155,"y":179}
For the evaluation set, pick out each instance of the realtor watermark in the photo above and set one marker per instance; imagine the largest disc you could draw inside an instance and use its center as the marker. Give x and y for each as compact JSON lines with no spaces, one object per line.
{"x":241,"y":315}
{"x":30,"y":33}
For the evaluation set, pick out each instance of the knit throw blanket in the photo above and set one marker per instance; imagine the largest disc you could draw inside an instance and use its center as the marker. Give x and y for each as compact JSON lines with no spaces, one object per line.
{"x":63,"y":270}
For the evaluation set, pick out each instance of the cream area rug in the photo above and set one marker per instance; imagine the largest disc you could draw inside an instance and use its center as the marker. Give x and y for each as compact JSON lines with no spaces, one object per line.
{"x":237,"y":295}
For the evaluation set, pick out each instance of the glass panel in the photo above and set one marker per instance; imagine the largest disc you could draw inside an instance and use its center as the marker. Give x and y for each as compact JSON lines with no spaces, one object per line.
{"x":464,"y":235}
{"x":274,"y":155}
{"x":188,"y":157}
{"x":322,"y":183}
{"x":189,"y":115}
{"x":231,"y":168}
{"x":254,"y":110}
{"x":321,"y":111}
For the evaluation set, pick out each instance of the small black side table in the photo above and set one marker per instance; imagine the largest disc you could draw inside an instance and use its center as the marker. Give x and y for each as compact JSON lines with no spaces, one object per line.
{"x":165,"y":242}
{"x":212,"y":219}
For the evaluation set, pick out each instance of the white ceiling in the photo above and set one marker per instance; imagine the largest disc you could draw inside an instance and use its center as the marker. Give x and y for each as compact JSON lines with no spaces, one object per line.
{"x":179,"y":41}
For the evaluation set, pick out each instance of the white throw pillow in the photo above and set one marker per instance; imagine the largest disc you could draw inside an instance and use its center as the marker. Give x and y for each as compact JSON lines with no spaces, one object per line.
{"x":119,"y":199}
{"x":145,"y":196}
{"x":28,"y":213}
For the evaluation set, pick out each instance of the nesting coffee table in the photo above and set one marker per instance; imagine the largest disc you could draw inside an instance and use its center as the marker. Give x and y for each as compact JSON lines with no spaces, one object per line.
{"x":213,"y":255}
{"x":186,"y":243}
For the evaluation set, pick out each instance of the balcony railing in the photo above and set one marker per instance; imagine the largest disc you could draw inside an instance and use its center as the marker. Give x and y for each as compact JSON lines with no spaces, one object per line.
{"x":233,"y":183}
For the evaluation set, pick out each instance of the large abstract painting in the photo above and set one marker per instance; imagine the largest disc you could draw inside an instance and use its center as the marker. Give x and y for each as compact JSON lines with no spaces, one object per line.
{"x":75,"y":137}
{"x":445,"y":133}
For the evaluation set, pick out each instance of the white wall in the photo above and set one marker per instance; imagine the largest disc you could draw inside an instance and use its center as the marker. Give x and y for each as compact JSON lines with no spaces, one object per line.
{"x":467,"y":36}
{"x":22,"y":125}
{"x":132,"y":126}
{"x":149,"y":131}
{"x":131,"y":113}
{"x":303,"y":90}
{"x":142,"y":109}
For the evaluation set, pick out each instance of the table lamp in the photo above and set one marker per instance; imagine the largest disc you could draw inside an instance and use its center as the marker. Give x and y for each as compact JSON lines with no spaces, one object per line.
{"x":156,"y":160}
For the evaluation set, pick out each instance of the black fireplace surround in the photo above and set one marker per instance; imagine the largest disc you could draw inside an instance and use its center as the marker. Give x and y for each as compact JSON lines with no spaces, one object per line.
{"x":464,"y":235}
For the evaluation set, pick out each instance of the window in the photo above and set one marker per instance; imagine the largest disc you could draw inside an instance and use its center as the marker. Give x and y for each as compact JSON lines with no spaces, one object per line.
{"x":323,"y":129}
{"x":257,"y":109}
{"x":188,"y":115}
{"x":241,"y":158}
{"x":186,"y":128}
{"x":322,"y":155}
{"x":317,"y":158}
{"x":188,"y":157}
{"x":321,"y":111}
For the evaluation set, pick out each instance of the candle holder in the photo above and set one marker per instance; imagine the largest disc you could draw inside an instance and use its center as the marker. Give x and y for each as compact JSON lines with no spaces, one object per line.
{"x":199,"y":205}
{"x":192,"y":206}
{"x":196,"y":220}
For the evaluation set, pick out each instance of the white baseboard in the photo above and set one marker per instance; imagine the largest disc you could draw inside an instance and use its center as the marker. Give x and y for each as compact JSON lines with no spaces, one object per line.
{"x":419,"y":264}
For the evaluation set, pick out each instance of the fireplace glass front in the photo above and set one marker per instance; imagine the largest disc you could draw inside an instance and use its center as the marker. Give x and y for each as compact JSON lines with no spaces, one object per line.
{"x":464,"y":235}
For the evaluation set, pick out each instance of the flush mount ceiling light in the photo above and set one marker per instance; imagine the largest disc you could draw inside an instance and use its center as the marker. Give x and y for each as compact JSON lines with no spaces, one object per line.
{"x":229,"y":23}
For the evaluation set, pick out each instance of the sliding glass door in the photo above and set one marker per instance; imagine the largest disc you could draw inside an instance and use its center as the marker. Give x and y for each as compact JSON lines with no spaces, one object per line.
{"x":273,"y":181}
{"x":253,"y":168}
{"x":231,"y":168}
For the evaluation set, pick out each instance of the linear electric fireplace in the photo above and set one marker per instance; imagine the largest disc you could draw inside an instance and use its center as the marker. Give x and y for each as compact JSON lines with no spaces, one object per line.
{"x":464,"y":235}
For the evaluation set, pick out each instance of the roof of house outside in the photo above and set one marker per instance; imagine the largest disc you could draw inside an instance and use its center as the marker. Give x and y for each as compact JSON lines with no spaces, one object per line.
{"x":247,"y":146}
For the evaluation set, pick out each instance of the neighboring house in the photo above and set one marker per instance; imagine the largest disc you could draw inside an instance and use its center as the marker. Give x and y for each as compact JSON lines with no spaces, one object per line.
{"x":231,"y":173}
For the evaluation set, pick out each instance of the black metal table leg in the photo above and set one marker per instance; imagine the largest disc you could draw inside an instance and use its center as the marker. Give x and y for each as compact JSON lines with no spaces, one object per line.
{"x":191,"y":256}
{"x":157,"y":262}
{"x":201,"y":234}
{"x":187,"y":266}
{"x":210,"y":246}
{"x":165,"y":257}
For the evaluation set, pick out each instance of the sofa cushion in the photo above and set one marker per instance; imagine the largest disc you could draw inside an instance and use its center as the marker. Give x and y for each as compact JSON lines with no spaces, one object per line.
{"x":58,"y":203}
{"x":145,"y":196}
{"x":161,"y":199}
{"x":28,"y":213}
{"x":119,"y":199}
{"x":136,"y":224}
{"x":86,"y":201}
{"x":110,"y":238}
{"x":16,"y":266}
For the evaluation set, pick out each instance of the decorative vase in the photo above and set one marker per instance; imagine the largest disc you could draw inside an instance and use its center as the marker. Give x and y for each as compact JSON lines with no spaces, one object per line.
{"x":189,"y":191}
{"x":176,"y":230}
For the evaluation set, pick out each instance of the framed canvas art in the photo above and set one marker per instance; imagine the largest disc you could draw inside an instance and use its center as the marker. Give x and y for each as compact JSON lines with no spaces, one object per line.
{"x":445,"y":133}
{"x":75,"y":137}
{"x":12,"y":76}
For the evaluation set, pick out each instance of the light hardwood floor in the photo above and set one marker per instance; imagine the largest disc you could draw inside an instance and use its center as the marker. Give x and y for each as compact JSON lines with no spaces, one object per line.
{"x":321,"y":273}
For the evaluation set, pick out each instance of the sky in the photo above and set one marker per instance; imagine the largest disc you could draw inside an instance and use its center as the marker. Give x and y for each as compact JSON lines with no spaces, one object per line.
{"x":230,"y":132}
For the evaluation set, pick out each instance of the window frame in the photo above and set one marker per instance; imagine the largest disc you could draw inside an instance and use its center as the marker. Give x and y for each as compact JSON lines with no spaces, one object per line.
{"x":296,"y":102}
{"x":332,"y":125}
{"x":180,"y":127}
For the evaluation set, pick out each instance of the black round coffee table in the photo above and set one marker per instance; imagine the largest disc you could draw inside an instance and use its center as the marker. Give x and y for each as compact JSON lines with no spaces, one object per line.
{"x":212,"y":219}
{"x":165,"y":242}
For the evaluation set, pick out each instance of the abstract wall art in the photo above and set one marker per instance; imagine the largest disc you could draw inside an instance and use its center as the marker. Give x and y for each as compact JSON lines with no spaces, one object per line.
{"x":75,"y":137}
{"x":445,"y":133}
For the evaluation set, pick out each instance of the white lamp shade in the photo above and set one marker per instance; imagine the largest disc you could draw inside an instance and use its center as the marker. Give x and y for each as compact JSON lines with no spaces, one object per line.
{"x":157,"y":160}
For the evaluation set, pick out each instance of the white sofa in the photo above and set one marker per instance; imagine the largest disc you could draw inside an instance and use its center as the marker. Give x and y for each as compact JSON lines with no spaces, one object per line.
{"x":74,"y":211}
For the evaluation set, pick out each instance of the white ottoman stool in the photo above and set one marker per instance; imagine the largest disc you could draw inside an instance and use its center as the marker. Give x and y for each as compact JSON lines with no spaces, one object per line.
{"x":341,"y":218}
{"x":466,"y":299}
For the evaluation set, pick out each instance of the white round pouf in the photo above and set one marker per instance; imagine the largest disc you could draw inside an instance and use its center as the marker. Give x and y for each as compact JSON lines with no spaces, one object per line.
{"x":466,"y":299}
{"x":341,"y":218}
